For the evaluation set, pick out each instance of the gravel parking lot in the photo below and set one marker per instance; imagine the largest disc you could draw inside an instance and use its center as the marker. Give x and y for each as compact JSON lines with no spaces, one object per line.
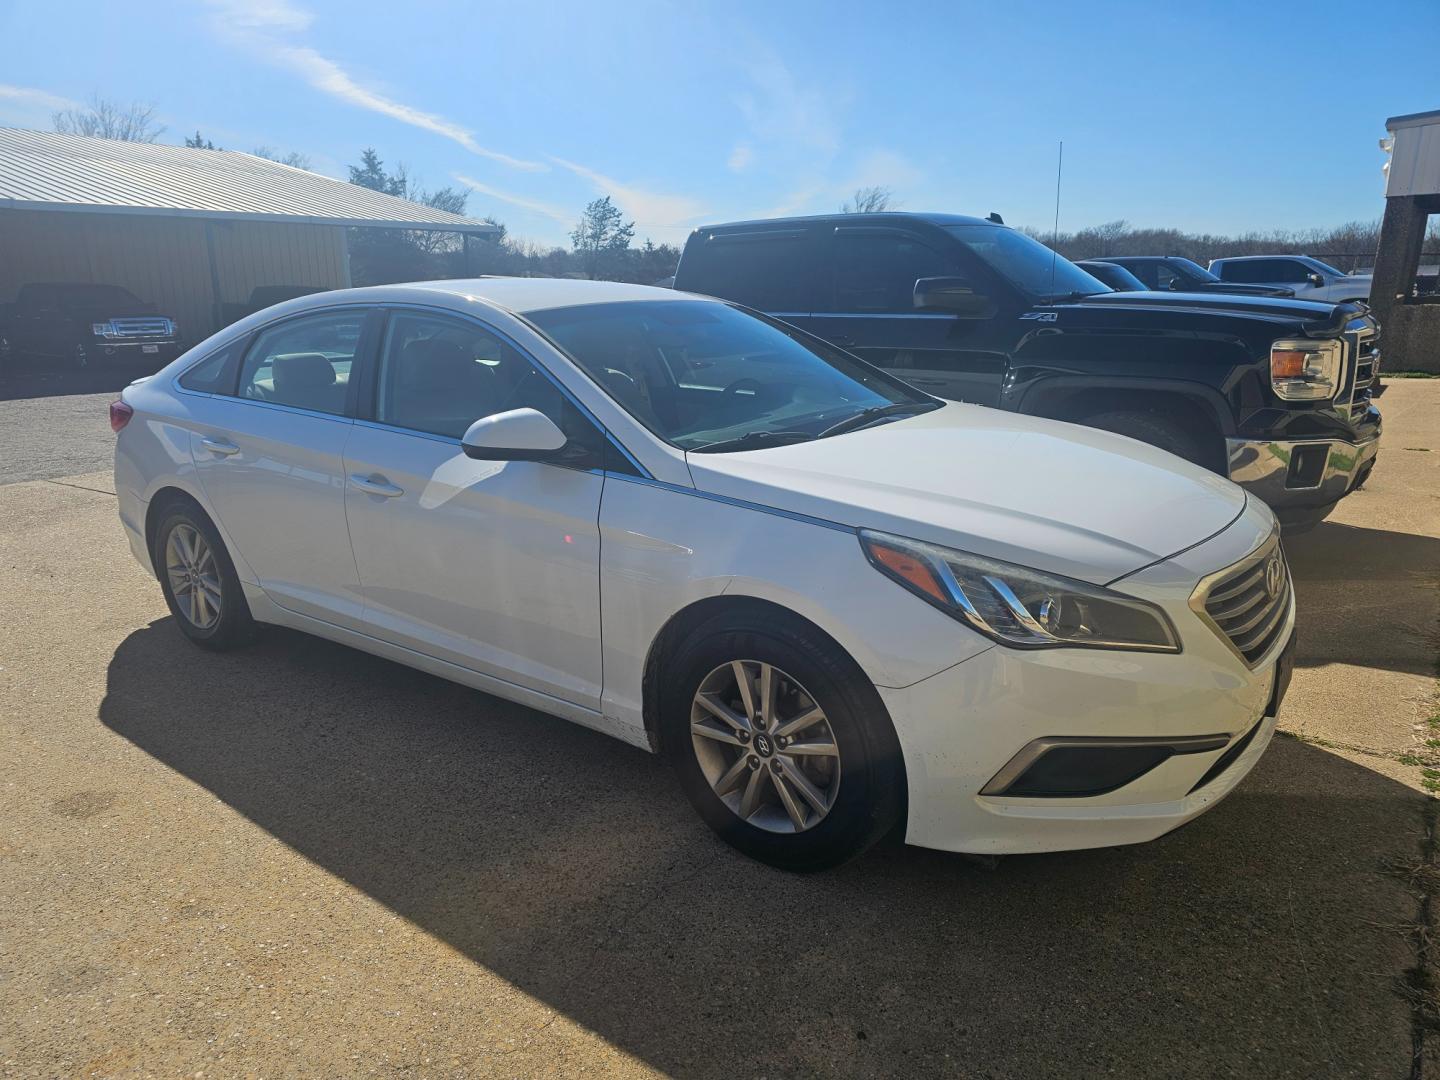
{"x":302,"y":860}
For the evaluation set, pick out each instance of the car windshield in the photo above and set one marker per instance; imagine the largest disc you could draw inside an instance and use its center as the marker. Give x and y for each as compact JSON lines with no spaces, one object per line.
{"x":87,"y":296}
{"x":1188,"y":267}
{"x":705,"y":375}
{"x":1027,"y":264}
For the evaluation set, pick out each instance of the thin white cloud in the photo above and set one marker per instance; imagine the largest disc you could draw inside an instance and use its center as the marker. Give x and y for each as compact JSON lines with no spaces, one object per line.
{"x":261,"y":26}
{"x":887,"y":169}
{"x":549,"y":210}
{"x":779,"y":109}
{"x":650,"y":209}
{"x":275,"y":15}
{"x":740,"y":157}
{"x":34,"y":98}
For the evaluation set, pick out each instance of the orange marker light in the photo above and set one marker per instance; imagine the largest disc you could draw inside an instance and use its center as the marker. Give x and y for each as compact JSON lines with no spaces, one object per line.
{"x":913,"y":570}
{"x":1287,"y":363}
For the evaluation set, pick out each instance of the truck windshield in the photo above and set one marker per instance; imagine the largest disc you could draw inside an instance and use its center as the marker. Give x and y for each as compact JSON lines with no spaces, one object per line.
{"x":1027,"y":264}
{"x":1193,"y":268}
{"x":706,"y":376}
{"x":94,"y":296}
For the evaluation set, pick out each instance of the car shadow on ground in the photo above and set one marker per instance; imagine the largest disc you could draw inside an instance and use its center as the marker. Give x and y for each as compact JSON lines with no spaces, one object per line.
{"x":1356,"y":597}
{"x":1244,"y":944}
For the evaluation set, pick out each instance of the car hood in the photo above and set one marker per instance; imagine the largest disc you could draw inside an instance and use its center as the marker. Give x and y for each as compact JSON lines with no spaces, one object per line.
{"x":106,"y":312}
{"x":1059,"y":497}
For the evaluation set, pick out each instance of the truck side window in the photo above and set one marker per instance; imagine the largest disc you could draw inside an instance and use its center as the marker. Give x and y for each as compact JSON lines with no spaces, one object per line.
{"x":876,"y":272}
{"x":1165,"y":278}
{"x":769,"y":271}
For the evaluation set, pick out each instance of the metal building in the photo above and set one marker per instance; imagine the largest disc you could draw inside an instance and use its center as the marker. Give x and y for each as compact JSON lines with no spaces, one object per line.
{"x":189,"y":230}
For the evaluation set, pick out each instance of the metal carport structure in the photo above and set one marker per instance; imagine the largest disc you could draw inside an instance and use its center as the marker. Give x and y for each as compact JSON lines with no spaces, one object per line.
{"x":190,"y":230}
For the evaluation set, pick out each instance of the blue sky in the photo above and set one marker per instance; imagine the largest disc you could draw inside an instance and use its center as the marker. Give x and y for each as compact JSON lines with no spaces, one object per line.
{"x":1205,"y":115}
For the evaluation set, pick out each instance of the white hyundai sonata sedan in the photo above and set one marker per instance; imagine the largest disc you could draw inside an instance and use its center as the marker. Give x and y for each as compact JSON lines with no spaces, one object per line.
{"x":838,"y":605}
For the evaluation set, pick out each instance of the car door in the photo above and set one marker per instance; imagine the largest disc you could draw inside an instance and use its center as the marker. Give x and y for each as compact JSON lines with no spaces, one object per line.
{"x":491,"y":565}
{"x":269,"y":459}
{"x":871,"y":312}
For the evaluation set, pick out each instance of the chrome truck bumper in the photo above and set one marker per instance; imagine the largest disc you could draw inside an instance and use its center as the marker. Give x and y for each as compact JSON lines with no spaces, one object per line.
{"x":1301,"y":480}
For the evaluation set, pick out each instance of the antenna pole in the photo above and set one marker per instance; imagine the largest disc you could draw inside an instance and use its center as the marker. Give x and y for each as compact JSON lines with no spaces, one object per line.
{"x":1055,"y":232}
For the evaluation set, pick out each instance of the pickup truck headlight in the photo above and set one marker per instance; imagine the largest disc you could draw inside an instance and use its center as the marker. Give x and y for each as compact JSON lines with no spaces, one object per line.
{"x":1305,"y":370}
{"x":101,"y":329}
{"x":1017,"y":606}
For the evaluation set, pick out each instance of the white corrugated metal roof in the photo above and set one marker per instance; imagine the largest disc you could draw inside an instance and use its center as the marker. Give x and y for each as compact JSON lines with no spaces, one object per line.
{"x":41,"y":170}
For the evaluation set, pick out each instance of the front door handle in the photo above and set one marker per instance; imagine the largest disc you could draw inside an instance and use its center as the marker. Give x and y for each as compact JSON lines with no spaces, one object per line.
{"x":376,"y":485}
{"x":223,"y":447}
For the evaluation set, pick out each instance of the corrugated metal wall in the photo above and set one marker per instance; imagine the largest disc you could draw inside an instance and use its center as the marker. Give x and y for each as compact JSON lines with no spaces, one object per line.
{"x":164,"y":259}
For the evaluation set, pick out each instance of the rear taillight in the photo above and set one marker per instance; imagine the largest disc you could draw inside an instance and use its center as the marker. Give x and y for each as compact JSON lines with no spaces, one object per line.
{"x":120,"y":415}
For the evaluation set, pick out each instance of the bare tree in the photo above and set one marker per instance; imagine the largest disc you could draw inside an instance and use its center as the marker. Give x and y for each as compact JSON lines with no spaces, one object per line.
{"x":294,"y":158}
{"x":870,"y":200}
{"x":106,"y":119}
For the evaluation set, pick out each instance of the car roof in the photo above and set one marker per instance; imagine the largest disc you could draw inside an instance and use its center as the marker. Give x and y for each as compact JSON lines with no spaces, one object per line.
{"x":1252,"y":258}
{"x":521,"y":295}
{"x":890,"y":217}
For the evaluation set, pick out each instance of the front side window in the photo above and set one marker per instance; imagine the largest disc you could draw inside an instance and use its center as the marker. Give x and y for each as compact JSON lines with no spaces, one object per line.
{"x":1027,"y":264}
{"x":438,"y":375}
{"x":702,"y":374}
{"x":1167,"y":278}
{"x":304,"y":363}
{"x":876,"y":271}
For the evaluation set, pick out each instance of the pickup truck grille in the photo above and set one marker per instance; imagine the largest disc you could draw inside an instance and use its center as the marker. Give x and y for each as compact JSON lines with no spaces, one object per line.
{"x":147,"y":326}
{"x":1365,"y":362}
{"x":1247,"y":603}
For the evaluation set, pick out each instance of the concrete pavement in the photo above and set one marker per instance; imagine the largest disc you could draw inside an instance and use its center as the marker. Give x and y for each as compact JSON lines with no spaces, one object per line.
{"x":301,"y":860}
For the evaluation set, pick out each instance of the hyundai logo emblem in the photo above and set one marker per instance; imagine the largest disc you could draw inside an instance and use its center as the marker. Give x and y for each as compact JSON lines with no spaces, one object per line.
{"x":762,"y":745}
{"x":1274,"y":576}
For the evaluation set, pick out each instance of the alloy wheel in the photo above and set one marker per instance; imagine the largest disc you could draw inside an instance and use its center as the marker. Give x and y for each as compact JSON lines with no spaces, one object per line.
{"x":194,"y":576}
{"x":765,"y":746}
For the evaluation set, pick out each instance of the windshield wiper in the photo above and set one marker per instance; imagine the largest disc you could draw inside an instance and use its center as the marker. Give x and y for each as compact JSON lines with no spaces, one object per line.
{"x":753,"y":440}
{"x":866,"y":416}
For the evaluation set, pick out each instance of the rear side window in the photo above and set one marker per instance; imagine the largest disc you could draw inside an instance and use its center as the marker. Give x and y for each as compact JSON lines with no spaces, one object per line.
{"x":768,"y":270}
{"x":876,"y":271}
{"x":304,"y":363}
{"x":215,"y":374}
{"x":1263,"y":271}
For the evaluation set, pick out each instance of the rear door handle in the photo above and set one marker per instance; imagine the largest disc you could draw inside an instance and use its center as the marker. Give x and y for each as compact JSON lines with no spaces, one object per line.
{"x":223,"y":447}
{"x":376,"y":485}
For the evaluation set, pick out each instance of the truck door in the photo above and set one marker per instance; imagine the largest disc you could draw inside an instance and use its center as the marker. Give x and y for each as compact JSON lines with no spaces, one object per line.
{"x":870,"y":311}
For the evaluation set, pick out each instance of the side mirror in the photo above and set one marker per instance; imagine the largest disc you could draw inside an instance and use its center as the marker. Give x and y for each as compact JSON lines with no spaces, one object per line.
{"x":1315,"y":279}
{"x":517,"y":435}
{"x":955,"y":295}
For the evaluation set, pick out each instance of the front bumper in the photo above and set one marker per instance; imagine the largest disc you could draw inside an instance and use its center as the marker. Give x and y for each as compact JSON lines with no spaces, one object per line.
{"x":107,"y":351}
{"x":966,"y":732}
{"x":1301,"y":479}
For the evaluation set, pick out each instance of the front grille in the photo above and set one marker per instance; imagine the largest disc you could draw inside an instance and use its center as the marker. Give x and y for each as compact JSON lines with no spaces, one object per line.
{"x":1364,"y":349}
{"x":155,"y":326}
{"x":1246,"y":604}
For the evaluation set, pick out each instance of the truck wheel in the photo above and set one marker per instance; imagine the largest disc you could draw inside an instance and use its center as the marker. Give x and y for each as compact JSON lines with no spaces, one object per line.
{"x":1154,"y":428}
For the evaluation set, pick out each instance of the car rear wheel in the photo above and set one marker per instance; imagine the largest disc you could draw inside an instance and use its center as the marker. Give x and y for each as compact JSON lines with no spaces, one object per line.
{"x":1154,"y":428}
{"x":781,"y":743}
{"x":199,"y":581}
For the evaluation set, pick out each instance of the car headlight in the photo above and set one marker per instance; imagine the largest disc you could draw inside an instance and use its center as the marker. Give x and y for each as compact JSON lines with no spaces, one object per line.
{"x":1017,"y":606}
{"x":101,"y":329}
{"x":1305,"y":370}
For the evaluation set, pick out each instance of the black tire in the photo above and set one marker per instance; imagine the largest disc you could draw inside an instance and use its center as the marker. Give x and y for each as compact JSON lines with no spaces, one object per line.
{"x":870,"y":799}
{"x":1155,"y":428}
{"x":234,"y":627}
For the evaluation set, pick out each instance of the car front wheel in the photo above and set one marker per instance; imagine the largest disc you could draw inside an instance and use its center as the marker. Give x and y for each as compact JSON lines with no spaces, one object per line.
{"x":782,"y":744}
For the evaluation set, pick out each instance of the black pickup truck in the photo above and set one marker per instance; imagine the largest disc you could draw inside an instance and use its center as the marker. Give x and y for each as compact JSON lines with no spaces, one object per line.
{"x":1273,"y":393}
{"x":79,"y":325}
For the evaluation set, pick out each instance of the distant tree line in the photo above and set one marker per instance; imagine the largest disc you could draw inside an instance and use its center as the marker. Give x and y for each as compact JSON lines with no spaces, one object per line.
{"x":1348,"y":247}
